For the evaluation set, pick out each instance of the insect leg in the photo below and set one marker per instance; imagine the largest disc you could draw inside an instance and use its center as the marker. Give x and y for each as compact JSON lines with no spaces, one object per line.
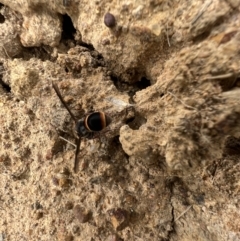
{"x":76,"y":162}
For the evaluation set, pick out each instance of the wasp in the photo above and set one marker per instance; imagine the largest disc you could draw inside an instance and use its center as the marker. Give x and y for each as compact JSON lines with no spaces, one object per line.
{"x":88,"y":126}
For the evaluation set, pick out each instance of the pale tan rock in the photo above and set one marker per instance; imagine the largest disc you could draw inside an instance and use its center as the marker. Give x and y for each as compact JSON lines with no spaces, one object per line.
{"x":167,"y":73}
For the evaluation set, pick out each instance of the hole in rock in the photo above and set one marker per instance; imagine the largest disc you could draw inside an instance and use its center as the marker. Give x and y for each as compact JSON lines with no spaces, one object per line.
{"x":88,"y":46}
{"x":143,"y":83}
{"x":68,"y":28}
{"x":226,"y":81}
{"x":130,"y":120}
{"x":115,"y":141}
{"x":136,"y":122}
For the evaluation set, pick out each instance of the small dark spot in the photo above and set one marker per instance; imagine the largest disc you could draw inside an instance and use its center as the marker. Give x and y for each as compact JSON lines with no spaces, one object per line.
{"x":76,"y":230}
{"x":65,"y":171}
{"x":55,"y":181}
{"x":115,"y":80}
{"x":130,"y":120}
{"x":39,"y":215}
{"x":5,"y":86}
{"x":143,"y":83}
{"x":105,"y":41}
{"x":227,"y":37}
{"x":200,"y":37}
{"x":109,"y":20}
{"x":37,"y":205}
{"x":115,"y":140}
{"x":69,"y":205}
{"x":227,"y":83}
{"x":49,"y":154}
{"x":81,"y":214}
{"x":69,"y":237}
{"x":88,"y":46}
{"x":137,"y":122}
{"x":200,"y":198}
{"x":151,"y":185}
{"x":65,"y":182}
{"x":58,"y":193}
{"x":119,"y":218}
{"x":5,"y":160}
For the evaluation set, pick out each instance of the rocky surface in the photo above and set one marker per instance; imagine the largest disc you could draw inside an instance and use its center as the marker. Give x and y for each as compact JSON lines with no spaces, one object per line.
{"x":167,"y":73}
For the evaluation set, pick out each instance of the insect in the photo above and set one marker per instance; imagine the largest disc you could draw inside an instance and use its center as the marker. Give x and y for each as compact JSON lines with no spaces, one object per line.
{"x":87,"y":127}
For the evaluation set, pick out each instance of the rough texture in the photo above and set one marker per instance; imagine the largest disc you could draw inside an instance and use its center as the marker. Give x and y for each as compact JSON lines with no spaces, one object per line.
{"x":167,"y":167}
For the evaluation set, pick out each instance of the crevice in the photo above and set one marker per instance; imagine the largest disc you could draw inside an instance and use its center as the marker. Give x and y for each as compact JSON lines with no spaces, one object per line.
{"x":98,"y":59}
{"x":201,"y":37}
{"x":143,"y":83}
{"x":88,"y":46}
{"x":43,"y":53}
{"x":5,"y":86}
{"x":228,"y":82}
{"x":170,"y":184}
{"x":69,"y":33}
{"x":68,"y":30}
{"x":115,"y":81}
{"x":136,"y":122}
{"x":130,"y":120}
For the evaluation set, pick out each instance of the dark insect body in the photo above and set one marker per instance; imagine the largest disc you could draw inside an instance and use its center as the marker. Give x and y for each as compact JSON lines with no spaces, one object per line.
{"x":109,"y":20}
{"x":86,"y":127}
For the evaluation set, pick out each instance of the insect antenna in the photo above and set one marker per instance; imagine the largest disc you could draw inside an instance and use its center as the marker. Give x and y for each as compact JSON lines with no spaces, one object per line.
{"x":78,"y":140}
{"x":55,"y":87}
